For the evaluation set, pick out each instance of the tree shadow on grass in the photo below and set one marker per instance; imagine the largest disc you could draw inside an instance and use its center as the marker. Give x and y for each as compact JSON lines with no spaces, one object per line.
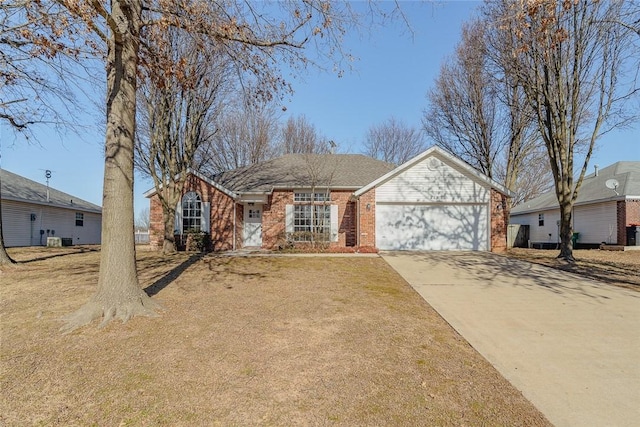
{"x":73,"y":252}
{"x":489,"y":270}
{"x":172,"y":275}
{"x":613,"y":276}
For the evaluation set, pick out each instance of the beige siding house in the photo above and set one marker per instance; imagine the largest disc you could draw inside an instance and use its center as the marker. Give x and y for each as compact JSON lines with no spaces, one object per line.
{"x":31,"y":214}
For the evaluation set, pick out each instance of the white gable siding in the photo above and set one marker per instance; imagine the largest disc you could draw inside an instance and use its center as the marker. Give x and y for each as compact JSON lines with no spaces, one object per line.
{"x":547,"y":233}
{"x":91,"y":233}
{"x":432,"y":181}
{"x":19,"y":230}
{"x":596,"y":223}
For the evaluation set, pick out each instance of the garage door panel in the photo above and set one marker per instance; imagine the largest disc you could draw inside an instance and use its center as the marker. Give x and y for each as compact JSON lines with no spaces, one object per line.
{"x":431,"y":227}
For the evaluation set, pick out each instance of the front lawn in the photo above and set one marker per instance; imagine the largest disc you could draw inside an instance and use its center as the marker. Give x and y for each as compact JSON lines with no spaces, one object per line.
{"x":242,"y":341}
{"x":621,"y":268}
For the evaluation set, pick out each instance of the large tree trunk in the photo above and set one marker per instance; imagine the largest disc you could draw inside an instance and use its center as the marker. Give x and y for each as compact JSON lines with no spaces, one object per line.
{"x":169,"y":203}
{"x":566,"y":233}
{"x":169,"y":242}
{"x":119,"y":294}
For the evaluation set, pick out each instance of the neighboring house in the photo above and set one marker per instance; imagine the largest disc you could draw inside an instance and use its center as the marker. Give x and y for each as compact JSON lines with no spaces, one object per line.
{"x":352,"y":202}
{"x":31,"y":212}
{"x":600,"y":213}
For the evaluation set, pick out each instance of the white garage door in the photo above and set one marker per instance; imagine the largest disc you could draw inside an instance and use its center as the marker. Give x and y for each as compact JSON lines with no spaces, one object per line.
{"x":431,"y":227}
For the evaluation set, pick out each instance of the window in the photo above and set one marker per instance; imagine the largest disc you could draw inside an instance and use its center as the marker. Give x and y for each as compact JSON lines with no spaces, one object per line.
{"x":191,"y":212}
{"x":79,"y":219}
{"x":540,"y":220}
{"x":311,"y":217}
{"x":308,"y":197}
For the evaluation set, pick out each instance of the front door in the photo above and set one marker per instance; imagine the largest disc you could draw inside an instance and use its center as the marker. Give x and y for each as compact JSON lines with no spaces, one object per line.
{"x":252,"y":235}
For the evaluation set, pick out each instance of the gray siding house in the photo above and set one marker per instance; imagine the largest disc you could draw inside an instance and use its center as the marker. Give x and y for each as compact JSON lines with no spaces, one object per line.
{"x":31,"y":213}
{"x":601,"y":214}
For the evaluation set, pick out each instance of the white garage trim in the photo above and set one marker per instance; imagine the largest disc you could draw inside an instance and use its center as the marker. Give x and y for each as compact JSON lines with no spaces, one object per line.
{"x":435,"y":226}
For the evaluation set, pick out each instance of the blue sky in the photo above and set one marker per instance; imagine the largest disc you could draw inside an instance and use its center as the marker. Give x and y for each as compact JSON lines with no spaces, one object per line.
{"x":394,"y":71}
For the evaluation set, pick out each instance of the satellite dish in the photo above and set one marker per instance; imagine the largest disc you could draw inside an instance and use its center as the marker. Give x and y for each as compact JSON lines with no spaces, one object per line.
{"x":613,"y":185}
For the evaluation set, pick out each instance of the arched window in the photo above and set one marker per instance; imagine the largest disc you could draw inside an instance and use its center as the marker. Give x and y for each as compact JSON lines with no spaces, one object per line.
{"x":191,"y":212}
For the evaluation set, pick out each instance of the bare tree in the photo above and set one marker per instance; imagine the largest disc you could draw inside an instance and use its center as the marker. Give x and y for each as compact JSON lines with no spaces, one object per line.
{"x":478,"y":112}
{"x":143,"y":220}
{"x":463,"y":113}
{"x":318,"y":172}
{"x":177,"y":107}
{"x":300,"y":136}
{"x":244,"y":135}
{"x":258,"y":37}
{"x":394,"y":141}
{"x":39,"y":75}
{"x":38,"y":82}
{"x":533,"y":176}
{"x":569,"y":58}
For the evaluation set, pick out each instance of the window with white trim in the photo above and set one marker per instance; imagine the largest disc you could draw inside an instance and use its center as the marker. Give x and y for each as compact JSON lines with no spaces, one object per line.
{"x":191,"y":212}
{"x":541,"y":220}
{"x":311,"y":217}
{"x":79,"y":219}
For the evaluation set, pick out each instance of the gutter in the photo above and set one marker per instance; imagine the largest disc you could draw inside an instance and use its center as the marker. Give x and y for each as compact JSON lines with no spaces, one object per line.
{"x":588,"y":202}
{"x":72,"y":207}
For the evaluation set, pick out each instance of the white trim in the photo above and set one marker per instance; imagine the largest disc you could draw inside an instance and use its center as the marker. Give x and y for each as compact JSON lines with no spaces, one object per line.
{"x":489,"y":222}
{"x":206,"y":217}
{"x":71,"y":207}
{"x":334,"y":223}
{"x":149,"y":193}
{"x":254,"y":226}
{"x":288,"y":218}
{"x":556,"y":206}
{"x":177,"y":226}
{"x":253,"y":198}
{"x":420,"y":157}
{"x":235,"y":225}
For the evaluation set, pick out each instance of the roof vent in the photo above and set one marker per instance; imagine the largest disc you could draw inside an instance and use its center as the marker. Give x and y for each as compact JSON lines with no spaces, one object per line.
{"x":595,"y":167}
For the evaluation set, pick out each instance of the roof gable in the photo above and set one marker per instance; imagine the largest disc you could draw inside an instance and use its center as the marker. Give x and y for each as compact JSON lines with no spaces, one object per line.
{"x":593,"y":188}
{"x":150,"y":192}
{"x":446,"y":157}
{"x":21,"y":189}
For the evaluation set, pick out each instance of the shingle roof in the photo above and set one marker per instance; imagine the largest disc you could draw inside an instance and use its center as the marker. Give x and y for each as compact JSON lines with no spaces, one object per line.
{"x":304,"y":170}
{"x":593,"y":188}
{"x":18,"y":188}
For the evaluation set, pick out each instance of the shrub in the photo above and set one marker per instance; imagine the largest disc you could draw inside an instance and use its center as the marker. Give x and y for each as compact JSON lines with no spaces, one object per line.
{"x":198,"y":241}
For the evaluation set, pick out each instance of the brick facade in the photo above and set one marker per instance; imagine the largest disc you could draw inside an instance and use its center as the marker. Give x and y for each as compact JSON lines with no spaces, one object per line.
{"x":367,"y":220}
{"x":156,"y":225}
{"x":628,"y":212}
{"x":356,"y":218}
{"x":221,"y":215}
{"x":499,"y":221}
{"x":274,"y":218}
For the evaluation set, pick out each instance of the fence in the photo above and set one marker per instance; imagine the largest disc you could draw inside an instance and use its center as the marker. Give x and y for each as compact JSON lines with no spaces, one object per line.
{"x":142,"y":237}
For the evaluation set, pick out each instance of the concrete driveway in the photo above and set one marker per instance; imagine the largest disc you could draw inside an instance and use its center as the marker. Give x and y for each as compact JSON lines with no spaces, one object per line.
{"x":571,"y":345}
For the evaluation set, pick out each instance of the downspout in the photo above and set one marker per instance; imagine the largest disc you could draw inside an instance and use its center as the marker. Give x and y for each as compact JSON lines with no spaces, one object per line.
{"x":358,"y":224}
{"x":490,"y":221}
{"x":234,"y":224}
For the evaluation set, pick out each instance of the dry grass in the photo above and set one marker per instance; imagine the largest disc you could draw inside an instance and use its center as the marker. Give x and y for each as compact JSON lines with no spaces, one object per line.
{"x":242,"y":341}
{"x":620,"y":268}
